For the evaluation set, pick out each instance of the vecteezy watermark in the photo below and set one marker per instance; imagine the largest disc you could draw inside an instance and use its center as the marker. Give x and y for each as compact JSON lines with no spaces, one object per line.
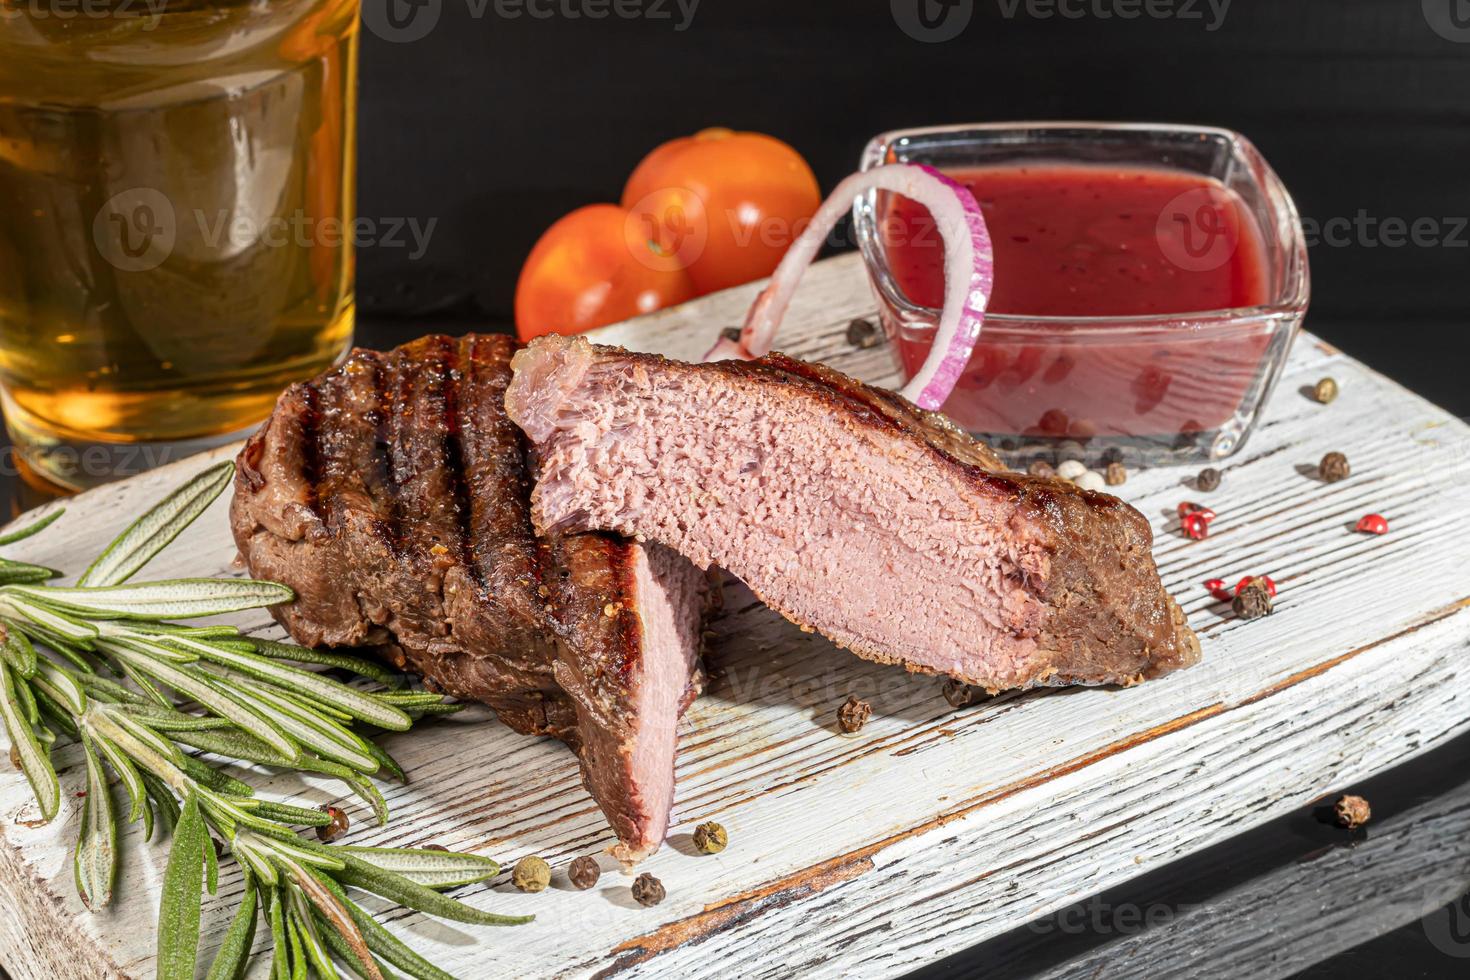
{"x":1210,"y":13}
{"x":932,"y":21}
{"x":1097,"y":917}
{"x":148,"y":11}
{"x":404,"y":21}
{"x":1364,"y":230}
{"x":1450,"y":19}
{"x":1195,"y":232}
{"x":1448,"y":928}
{"x":138,"y":229}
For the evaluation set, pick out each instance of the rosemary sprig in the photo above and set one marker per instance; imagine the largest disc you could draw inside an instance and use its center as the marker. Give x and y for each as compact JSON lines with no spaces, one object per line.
{"x":187,"y":690}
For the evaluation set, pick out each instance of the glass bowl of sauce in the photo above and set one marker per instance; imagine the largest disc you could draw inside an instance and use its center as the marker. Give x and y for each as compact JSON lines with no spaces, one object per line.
{"x":1149,"y":280}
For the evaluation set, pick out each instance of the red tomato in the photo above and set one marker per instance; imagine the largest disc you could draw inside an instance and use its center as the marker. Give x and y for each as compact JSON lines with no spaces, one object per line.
{"x":726,"y":205}
{"x":593,"y":268}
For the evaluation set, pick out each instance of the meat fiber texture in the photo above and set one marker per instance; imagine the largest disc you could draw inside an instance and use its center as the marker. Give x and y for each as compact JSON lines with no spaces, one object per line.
{"x":851,"y":512}
{"x":393,"y":495}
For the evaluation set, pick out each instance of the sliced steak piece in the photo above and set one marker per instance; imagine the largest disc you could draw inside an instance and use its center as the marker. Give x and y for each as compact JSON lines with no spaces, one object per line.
{"x":393,"y":495}
{"x":852,"y":512}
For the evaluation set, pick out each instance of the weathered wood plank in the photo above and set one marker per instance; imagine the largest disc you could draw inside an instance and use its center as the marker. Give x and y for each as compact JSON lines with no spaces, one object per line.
{"x":932,"y":829}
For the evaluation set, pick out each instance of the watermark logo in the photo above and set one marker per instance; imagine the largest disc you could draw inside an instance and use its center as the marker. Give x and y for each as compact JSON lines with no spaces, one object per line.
{"x":148,"y":11}
{"x":135,"y":230}
{"x":1099,"y":918}
{"x":401,"y":21}
{"x":1450,"y":19}
{"x":667,"y":229}
{"x":1364,"y":230}
{"x":405,"y":21}
{"x":1194,"y":233}
{"x":139,"y":228}
{"x":1210,"y":13}
{"x":1448,"y":928}
{"x":932,"y":21}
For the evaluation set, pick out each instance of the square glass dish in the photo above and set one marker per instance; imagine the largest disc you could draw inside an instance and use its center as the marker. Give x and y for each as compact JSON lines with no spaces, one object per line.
{"x":1093,"y":362}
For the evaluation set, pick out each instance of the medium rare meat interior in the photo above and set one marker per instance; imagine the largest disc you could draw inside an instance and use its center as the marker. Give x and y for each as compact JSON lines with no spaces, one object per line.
{"x":392,"y":494}
{"x":851,"y":512}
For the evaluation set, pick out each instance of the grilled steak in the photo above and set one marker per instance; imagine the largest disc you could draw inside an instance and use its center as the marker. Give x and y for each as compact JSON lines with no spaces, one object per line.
{"x":852,"y":512}
{"x":393,"y":495}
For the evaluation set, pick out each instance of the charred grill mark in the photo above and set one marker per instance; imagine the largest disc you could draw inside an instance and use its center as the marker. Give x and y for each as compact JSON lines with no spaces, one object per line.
{"x":454,"y":455}
{"x":311,"y":447}
{"x":383,"y":449}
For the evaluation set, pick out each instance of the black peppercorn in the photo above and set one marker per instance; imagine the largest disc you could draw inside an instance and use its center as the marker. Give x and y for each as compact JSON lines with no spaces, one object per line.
{"x":1252,"y":602}
{"x":862,"y":334}
{"x":1208,"y":479}
{"x":853,"y":714}
{"x":1334,"y":467}
{"x":336,"y":829}
{"x":959,"y":694}
{"x":648,"y":890}
{"x":584,"y":872}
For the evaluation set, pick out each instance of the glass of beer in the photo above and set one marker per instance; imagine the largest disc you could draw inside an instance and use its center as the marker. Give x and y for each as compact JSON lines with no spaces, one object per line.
{"x":176,"y":203}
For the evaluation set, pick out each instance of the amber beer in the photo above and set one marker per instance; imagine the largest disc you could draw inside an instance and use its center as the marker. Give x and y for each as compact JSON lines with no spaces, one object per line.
{"x":175,"y":178}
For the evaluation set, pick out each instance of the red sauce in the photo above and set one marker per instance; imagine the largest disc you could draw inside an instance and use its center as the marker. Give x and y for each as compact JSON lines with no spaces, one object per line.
{"x":1076,"y":240}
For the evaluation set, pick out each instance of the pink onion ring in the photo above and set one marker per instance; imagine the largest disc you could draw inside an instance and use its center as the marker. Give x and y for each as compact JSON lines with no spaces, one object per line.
{"x":969,"y":273}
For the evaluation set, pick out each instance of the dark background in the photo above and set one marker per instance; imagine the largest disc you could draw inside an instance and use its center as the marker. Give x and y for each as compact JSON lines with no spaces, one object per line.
{"x":497,"y":125}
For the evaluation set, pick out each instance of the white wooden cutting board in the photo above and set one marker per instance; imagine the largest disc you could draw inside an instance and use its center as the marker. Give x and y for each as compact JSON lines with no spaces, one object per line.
{"x":932,"y":829}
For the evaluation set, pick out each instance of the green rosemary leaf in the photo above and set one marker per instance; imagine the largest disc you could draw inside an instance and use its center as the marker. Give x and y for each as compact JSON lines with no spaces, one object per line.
{"x":316,"y":732}
{"x":143,"y":744}
{"x":17,"y":651}
{"x":105,"y":690}
{"x":33,"y":761}
{"x":386,"y":761}
{"x":179,"y":908}
{"x":238,"y":745}
{"x":24,"y":573}
{"x":165,"y":805}
{"x":321,"y":960}
{"x":284,"y":843}
{"x":169,"y":720}
{"x":281,"y":955}
{"x":300,"y":966}
{"x":181,"y":598}
{"x":52,"y":629}
{"x":384,"y":943}
{"x":297,"y":816}
{"x":94,"y":862}
{"x":35,"y":527}
{"x":152,"y":532}
{"x":411,"y":894}
{"x":128,"y":773}
{"x":310,"y":888}
{"x":432,"y":869}
{"x":59,"y":717}
{"x":434,"y":710}
{"x":150,"y":690}
{"x":233,"y":956}
{"x":409,"y":699}
{"x":306,"y":655}
{"x":25,"y":700}
{"x":345,"y":953}
{"x":215,"y":779}
{"x":212,"y":697}
{"x":331,"y":693}
{"x":61,"y":685}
